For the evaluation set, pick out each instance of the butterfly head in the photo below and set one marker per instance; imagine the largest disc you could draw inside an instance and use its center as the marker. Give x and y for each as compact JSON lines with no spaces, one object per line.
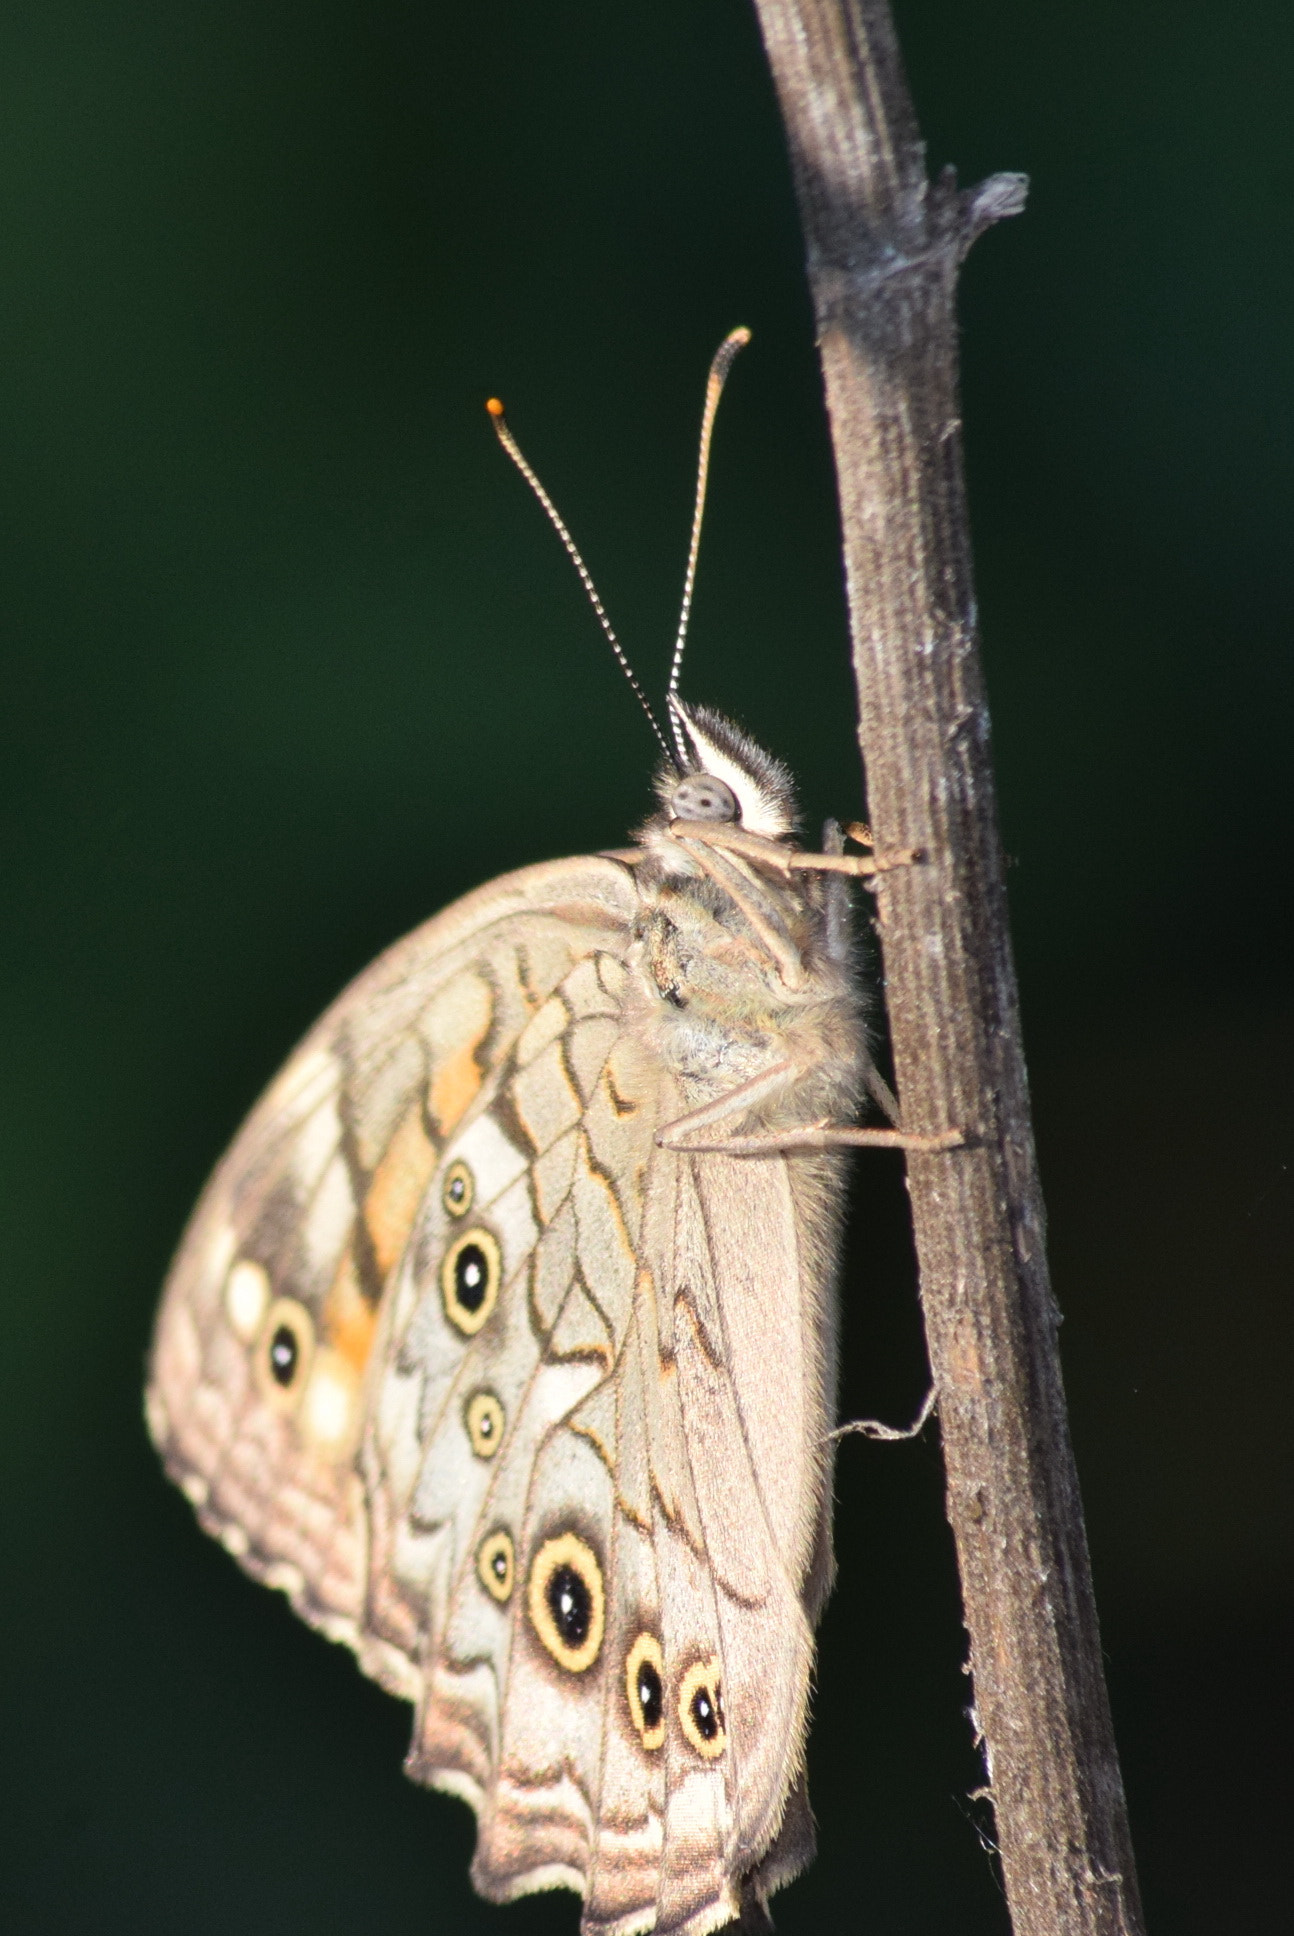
{"x":726,"y":776}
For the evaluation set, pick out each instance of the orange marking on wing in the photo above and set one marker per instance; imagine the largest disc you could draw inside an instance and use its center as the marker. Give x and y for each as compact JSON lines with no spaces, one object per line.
{"x":457,"y":1023}
{"x":349,"y":1320}
{"x":397,"y":1189}
{"x":453,"y":1086}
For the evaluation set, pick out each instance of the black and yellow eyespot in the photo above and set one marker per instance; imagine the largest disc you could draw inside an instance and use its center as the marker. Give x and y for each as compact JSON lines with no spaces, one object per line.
{"x":700,"y":1708}
{"x":567,"y":1601}
{"x":645,"y":1689}
{"x":496,"y":1565}
{"x":469,"y":1280}
{"x":458,"y":1189}
{"x":483,"y":1415}
{"x":284,"y":1352}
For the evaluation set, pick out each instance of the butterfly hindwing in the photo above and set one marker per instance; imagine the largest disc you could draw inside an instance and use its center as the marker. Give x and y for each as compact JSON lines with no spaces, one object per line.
{"x":580,"y":1424}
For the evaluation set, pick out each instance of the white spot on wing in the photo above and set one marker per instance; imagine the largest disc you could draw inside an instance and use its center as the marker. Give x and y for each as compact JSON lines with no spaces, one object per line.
{"x":328,"y":1406}
{"x":247,"y":1294}
{"x":493,"y":1160}
{"x":327,"y":1226}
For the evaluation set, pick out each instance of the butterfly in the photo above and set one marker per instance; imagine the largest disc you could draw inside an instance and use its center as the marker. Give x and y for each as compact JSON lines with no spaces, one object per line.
{"x":503,"y":1339}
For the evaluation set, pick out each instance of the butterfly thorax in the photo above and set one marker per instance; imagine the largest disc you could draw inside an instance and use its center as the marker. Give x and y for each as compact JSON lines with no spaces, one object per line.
{"x":721,"y":1011}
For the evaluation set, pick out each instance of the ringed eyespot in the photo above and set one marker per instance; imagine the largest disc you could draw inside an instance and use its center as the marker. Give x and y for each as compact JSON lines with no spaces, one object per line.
{"x":567,"y":1601}
{"x":496,"y":1566}
{"x":284,"y":1352}
{"x":469,"y":1279}
{"x":458,"y":1189}
{"x":484,"y":1418}
{"x":645,"y":1689}
{"x":700,"y":1708}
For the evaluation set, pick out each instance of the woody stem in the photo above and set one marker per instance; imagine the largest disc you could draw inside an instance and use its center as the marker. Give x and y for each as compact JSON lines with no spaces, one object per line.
{"x":884,"y":246}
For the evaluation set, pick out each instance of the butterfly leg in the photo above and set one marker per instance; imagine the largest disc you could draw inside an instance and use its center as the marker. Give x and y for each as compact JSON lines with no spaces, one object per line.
{"x":815,"y":1136}
{"x":785,"y":955}
{"x":682,"y":1133}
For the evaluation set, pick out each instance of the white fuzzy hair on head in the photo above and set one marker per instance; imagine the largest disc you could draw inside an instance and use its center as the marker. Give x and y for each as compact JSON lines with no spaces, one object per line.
{"x":762,"y":786}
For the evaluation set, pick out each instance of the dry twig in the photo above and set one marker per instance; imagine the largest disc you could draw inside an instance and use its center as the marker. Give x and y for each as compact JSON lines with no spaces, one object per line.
{"x":884,"y":246}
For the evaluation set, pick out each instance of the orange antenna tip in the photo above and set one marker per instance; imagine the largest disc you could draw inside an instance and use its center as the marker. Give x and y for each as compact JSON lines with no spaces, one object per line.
{"x":494,"y":407}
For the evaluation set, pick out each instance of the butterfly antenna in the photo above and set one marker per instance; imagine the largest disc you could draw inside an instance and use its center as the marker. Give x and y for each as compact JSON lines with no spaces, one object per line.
{"x":724,"y":358}
{"x":555,"y":518}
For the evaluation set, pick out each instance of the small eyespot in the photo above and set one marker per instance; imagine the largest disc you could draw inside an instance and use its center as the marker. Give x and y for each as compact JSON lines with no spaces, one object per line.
{"x":567,"y":1601}
{"x":495,"y":1566}
{"x":458,"y":1189}
{"x":645,"y":1689}
{"x":484,"y":1419}
{"x":284,"y":1352}
{"x":469,"y":1280}
{"x":701,"y":797}
{"x":700,"y":1708}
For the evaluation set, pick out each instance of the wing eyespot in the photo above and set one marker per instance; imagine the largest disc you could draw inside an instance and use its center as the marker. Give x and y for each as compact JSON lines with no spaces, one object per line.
{"x":496,"y":1565}
{"x":567,"y":1601}
{"x":645,"y":1689}
{"x":284,"y":1352}
{"x":485,"y":1420}
{"x":458,"y":1190}
{"x":700,"y":1708}
{"x":469,"y":1279}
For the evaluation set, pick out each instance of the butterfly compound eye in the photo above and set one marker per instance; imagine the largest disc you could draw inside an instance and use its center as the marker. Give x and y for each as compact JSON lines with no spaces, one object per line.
{"x":645,"y":1689}
{"x":567,"y":1601}
{"x":469,"y":1280}
{"x":284,"y":1352}
{"x":701,"y":797}
{"x":700,"y":1708}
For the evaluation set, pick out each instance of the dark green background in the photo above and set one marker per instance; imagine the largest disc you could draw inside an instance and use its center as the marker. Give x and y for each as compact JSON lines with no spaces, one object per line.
{"x":293,"y":660}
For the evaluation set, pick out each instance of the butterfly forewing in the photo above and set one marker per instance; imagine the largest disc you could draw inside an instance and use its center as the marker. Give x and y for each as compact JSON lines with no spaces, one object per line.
{"x":302,"y":1225}
{"x":526,"y":1407}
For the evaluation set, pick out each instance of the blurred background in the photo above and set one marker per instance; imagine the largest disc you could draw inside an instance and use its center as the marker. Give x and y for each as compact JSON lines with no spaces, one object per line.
{"x":292,"y":660}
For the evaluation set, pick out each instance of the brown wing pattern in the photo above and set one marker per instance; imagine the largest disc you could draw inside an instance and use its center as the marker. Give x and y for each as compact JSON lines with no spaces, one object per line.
{"x":523,"y":1408}
{"x":261,"y":1359}
{"x":633,"y":1285}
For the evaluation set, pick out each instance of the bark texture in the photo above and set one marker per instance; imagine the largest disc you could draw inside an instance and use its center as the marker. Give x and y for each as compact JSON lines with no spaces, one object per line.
{"x":884,"y":246}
